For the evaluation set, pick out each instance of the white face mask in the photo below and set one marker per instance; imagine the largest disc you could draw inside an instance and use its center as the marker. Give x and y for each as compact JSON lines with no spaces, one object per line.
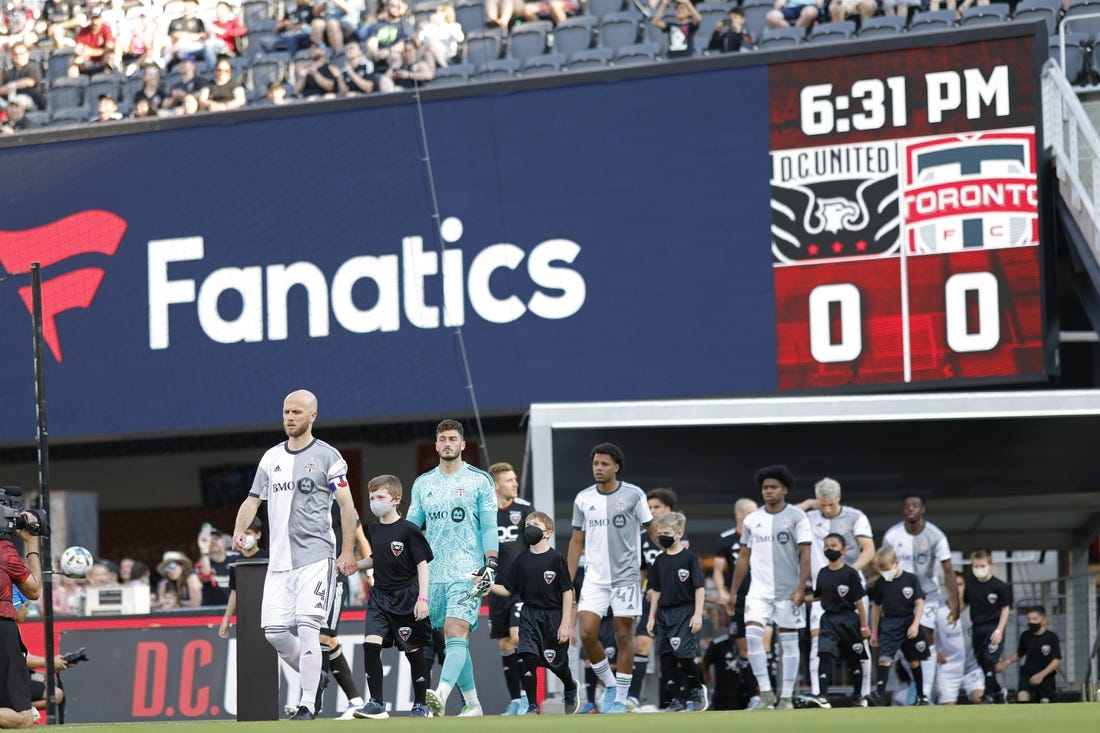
{"x":890,"y":574}
{"x":248,"y":542}
{"x":381,"y":508}
{"x":982,"y":573}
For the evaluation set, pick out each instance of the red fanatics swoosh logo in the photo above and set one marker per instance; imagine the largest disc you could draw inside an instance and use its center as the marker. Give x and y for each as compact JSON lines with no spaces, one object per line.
{"x":86,"y":232}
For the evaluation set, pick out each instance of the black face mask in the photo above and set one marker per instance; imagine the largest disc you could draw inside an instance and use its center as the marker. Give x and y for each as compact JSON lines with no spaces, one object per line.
{"x":833,"y":555}
{"x":665,"y":541}
{"x":532,"y":534}
{"x":1034,"y":628}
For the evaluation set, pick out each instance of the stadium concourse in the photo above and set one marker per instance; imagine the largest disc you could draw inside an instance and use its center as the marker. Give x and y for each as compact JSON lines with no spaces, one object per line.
{"x":268,"y":44}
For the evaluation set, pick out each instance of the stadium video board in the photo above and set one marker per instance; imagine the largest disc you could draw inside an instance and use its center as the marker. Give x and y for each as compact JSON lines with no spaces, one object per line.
{"x":905,"y":217}
{"x":855,"y":216}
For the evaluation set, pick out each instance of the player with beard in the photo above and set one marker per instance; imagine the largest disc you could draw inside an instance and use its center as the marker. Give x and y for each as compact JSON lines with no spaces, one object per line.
{"x":456,"y":505}
{"x":299,"y":479}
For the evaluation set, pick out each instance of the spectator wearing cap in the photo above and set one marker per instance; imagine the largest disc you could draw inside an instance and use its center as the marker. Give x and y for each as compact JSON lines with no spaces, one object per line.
{"x":107,"y":110}
{"x":95,"y":45}
{"x":179,"y":586}
{"x":23,"y":78}
{"x":16,"y":120}
{"x":187,"y":87}
{"x":213,"y":566}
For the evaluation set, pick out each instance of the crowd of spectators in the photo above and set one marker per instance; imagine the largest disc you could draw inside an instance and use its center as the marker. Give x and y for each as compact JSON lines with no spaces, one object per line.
{"x":76,"y":61}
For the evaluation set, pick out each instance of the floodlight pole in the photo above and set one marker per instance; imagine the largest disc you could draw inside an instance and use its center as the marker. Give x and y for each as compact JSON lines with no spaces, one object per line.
{"x":45,"y":551}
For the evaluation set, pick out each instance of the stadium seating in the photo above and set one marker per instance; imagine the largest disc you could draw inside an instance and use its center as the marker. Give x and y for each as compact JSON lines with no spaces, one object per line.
{"x":933,"y":20}
{"x":545,"y":65}
{"x":1049,"y":11}
{"x":1075,"y":24}
{"x":482,"y":47}
{"x":528,"y":40}
{"x":711,"y":13}
{"x":470,"y":14}
{"x":984,"y":14}
{"x":883,"y":25}
{"x":573,"y":35}
{"x":754,"y":12}
{"x":618,"y":30}
{"x":602,"y":8}
{"x":67,"y":93}
{"x":447,"y":76}
{"x":497,"y":70}
{"x":638,"y":53}
{"x":593,"y":58}
{"x":109,"y":84}
{"x":781,"y":37}
{"x":1076,"y":44}
{"x":840,"y":30}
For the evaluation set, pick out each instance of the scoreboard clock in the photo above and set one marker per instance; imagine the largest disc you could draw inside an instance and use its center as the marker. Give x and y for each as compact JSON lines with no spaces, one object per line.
{"x":906,"y":204}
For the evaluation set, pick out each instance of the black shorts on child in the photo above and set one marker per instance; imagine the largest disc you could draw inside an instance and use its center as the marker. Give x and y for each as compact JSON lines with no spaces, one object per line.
{"x":538,"y":635}
{"x":673,"y":630}
{"x":892,"y":637}
{"x":390,"y":615}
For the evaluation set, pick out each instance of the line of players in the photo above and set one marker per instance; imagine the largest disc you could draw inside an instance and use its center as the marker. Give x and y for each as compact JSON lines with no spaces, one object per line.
{"x":433,"y":567}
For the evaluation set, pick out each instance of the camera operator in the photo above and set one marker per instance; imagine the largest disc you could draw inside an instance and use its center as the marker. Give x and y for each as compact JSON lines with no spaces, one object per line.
{"x":16,"y":710}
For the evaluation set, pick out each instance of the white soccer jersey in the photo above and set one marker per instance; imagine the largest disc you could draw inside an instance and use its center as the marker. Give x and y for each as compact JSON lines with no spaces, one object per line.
{"x":774,"y":540}
{"x":298,"y":488}
{"x":920,"y":554}
{"x":953,"y":640}
{"x":611,"y":523}
{"x":849,"y":522}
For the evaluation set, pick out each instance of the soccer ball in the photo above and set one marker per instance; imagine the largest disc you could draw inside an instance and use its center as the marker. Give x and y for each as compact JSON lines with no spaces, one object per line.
{"x":76,"y":562}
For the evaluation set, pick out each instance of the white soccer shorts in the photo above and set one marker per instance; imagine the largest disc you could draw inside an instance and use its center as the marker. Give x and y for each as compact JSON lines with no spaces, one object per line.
{"x":623,"y":601}
{"x":304,"y":591}
{"x":784,"y":614}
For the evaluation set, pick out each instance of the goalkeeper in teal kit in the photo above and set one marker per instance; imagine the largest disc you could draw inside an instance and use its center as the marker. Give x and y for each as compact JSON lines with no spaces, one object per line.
{"x":456,"y":505}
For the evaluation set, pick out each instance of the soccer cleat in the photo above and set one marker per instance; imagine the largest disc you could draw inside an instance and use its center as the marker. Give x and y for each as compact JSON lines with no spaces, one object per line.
{"x":348,"y":714}
{"x":922,"y":701}
{"x":816,"y":701}
{"x":532,"y":709}
{"x":785,"y":703}
{"x":608,"y":699}
{"x":674,"y":706}
{"x":764,"y":701}
{"x":471,"y":711}
{"x":617,"y":708}
{"x":435,"y":703}
{"x":859,"y":701}
{"x":877,"y":700}
{"x":633,"y":703}
{"x":700,"y":699}
{"x":570,"y":699}
{"x":303,"y":713}
{"x":373,"y":710}
{"x":420,"y":710}
{"x":589,"y":709}
{"x":514,"y":708}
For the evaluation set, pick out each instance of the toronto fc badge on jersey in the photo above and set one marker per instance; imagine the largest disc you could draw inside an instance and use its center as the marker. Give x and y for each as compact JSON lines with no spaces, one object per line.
{"x":311,"y":465}
{"x":460,"y":491}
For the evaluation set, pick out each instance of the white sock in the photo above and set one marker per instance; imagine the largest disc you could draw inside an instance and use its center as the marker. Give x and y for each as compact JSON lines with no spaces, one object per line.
{"x":603,"y":671}
{"x":788,"y":640}
{"x":865,"y":666}
{"x":309,"y":663}
{"x":356,"y":702}
{"x":758,"y":660}
{"x":928,"y":669}
{"x":470,"y":696}
{"x":815,"y":667}
{"x":623,"y":689}
{"x":443,"y":691}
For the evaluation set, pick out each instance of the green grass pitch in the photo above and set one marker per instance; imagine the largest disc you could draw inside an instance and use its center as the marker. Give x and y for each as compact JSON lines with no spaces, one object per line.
{"x":1063,"y":718}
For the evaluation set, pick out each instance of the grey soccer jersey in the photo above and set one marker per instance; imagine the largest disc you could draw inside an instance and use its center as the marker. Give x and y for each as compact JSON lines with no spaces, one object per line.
{"x":773,"y":541}
{"x":920,"y":554}
{"x":850,"y":522}
{"x":298,"y":488}
{"x":611,"y":523}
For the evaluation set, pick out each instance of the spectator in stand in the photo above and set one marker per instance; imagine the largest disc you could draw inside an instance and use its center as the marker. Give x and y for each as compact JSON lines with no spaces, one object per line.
{"x":390,"y":31}
{"x":59,"y":21}
{"x":335,"y":21}
{"x":899,"y":7}
{"x":68,"y":596}
{"x":730,"y":36}
{"x":179,"y":586}
{"x":188,"y":87}
{"x":275,"y":97}
{"x":151,"y":92}
{"x":142,"y":109}
{"x":228,"y":31}
{"x":801,"y":13}
{"x":17,"y":25}
{"x":144,"y":44}
{"x":139,"y":574}
{"x":500,"y":12}
{"x":95,"y":46}
{"x":24,"y":78}
{"x":295,"y":27}
{"x":316,"y":76}
{"x":226,"y":93}
{"x":16,"y":120}
{"x":409,"y":67}
{"x":214,"y":562}
{"x":553,"y":10}
{"x":187,"y":36}
{"x":99,"y":576}
{"x":844,"y":9}
{"x":681,"y":34}
{"x":357,"y":73}
{"x":441,"y":35}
